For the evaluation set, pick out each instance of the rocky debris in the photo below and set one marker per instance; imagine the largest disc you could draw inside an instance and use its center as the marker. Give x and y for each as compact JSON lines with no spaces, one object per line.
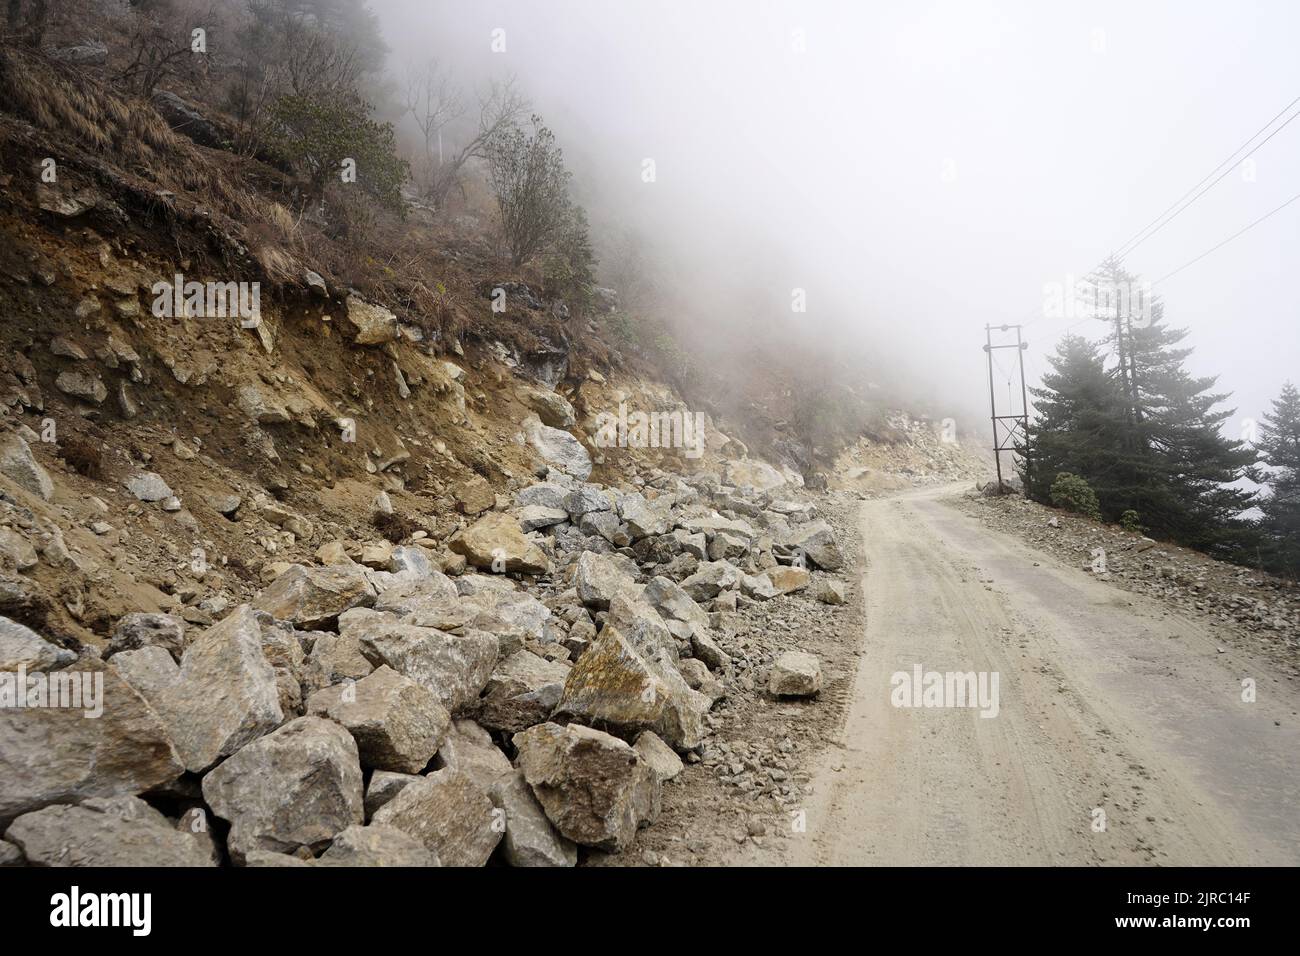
{"x":449,"y":814}
{"x":334,"y":659}
{"x":137,"y":630}
{"x":315,"y":597}
{"x":106,"y":831}
{"x":546,"y":494}
{"x":829,"y":591}
{"x":296,"y":788}
{"x":150,"y":670}
{"x":377,"y":845}
{"x":530,"y":838}
{"x":612,"y":685}
{"x":55,"y":754}
{"x":259,"y":408}
{"x":752,"y":473}
{"x":19,"y":465}
{"x":474,"y":496}
{"x":397,"y":723}
{"x":599,"y":579}
{"x":148,"y":486}
{"x":20,"y":646}
{"x":188,"y":121}
{"x":594,"y":788}
{"x":83,"y":385}
{"x":559,"y":449}
{"x":787,"y":580}
{"x":658,"y":755}
{"x":495,"y":541}
{"x":795,"y":674}
{"x":816,"y":541}
{"x":454,"y":667}
{"x":226,"y":694}
{"x":371,"y":324}
{"x":384,"y":785}
{"x":712,"y":578}
{"x":523,"y":690}
{"x":537,"y":517}
{"x":469,"y":748}
{"x":552,"y":408}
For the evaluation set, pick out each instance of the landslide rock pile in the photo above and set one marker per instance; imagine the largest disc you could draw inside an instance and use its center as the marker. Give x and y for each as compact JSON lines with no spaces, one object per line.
{"x":514,"y":693}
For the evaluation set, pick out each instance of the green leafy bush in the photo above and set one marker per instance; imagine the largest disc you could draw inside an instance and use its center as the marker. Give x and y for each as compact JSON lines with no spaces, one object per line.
{"x":1075,"y":494}
{"x":317,"y":133}
{"x":1130,"y":520}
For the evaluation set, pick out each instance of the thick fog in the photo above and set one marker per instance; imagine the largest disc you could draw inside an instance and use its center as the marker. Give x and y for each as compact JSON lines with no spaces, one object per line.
{"x":919,"y":169}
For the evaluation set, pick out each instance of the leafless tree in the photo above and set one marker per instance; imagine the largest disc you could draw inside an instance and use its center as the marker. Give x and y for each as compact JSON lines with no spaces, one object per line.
{"x":434,"y":102}
{"x":500,"y":108}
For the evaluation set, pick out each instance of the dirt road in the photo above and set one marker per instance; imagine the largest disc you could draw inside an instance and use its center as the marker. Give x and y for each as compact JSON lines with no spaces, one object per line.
{"x":1120,"y":736}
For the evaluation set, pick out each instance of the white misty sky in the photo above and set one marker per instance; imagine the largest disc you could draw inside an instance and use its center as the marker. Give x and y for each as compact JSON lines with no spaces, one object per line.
{"x":826,"y":169}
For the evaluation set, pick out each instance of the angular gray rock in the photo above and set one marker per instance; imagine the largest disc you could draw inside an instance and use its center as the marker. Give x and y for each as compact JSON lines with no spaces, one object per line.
{"x":377,"y":846}
{"x":599,"y":579}
{"x":315,"y":597}
{"x":106,"y":831}
{"x":795,"y":674}
{"x":398,"y":724}
{"x":455,"y":667}
{"x":522,"y":691}
{"x":559,"y":449}
{"x":593,"y":787}
{"x":615,"y":685}
{"x":226,"y":694}
{"x":137,"y":630}
{"x":816,"y":541}
{"x":296,"y":788}
{"x":530,"y":838}
{"x":19,"y":465}
{"x":150,"y":670}
{"x":450,"y":814}
{"x":56,"y":755}
{"x":384,"y":785}
{"x":20,"y":646}
{"x":658,"y":755}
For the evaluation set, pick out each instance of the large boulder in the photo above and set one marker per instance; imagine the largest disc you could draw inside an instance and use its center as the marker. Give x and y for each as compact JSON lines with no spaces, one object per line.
{"x":294,"y":789}
{"x":752,"y":473}
{"x":56,"y":755}
{"x":551,"y":407}
{"x":377,"y":846}
{"x":522,"y":691}
{"x":530,"y":838}
{"x":106,"y":831}
{"x":19,"y":465}
{"x":315,"y":597}
{"x":20,"y":646}
{"x":496,"y":541}
{"x":613,"y":685}
{"x":450,"y":814}
{"x":371,"y":324}
{"x":546,"y":494}
{"x":454,"y":667}
{"x":134,"y":631}
{"x":674,"y":604}
{"x":599,"y":579}
{"x":816,"y":541}
{"x":469,"y":748}
{"x":226,"y":694}
{"x":795,"y":674}
{"x":593,"y":787}
{"x":559,"y":449}
{"x":712,"y":578}
{"x":397,"y":723}
{"x":150,"y":670}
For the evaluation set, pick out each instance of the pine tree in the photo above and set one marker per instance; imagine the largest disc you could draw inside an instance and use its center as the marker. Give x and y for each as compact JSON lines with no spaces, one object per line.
{"x":1178,"y":467}
{"x":1279,"y":447}
{"x":1078,"y":420}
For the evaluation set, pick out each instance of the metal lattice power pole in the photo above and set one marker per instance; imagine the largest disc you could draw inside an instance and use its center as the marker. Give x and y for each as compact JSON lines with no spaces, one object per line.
{"x":1019,"y":423}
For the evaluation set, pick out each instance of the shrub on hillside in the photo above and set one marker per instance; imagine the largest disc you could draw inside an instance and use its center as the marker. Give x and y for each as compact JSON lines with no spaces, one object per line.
{"x":1130,"y":520}
{"x":317,"y":134}
{"x":1075,"y":494}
